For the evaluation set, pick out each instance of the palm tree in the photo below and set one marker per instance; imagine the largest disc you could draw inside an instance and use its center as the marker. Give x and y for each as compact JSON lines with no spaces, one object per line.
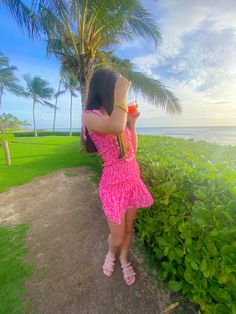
{"x":72,"y":85}
{"x":57,"y":94}
{"x":8,"y":80}
{"x":40,"y":91}
{"x":83,"y":34}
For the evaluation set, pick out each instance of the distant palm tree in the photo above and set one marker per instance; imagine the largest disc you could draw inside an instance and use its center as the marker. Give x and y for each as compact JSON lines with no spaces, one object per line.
{"x":39,"y":90}
{"x":72,"y":85}
{"x":56,"y":95}
{"x":8,"y":80}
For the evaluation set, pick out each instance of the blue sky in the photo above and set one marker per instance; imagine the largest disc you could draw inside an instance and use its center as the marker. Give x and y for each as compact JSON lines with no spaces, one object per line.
{"x":196,"y":60}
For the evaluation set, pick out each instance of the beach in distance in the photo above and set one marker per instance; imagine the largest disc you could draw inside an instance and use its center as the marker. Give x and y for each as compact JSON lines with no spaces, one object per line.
{"x":223,"y":135}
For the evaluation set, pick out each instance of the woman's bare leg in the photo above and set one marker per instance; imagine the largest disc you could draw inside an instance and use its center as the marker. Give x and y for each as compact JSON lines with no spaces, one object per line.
{"x":116,"y":236}
{"x":124,"y":249}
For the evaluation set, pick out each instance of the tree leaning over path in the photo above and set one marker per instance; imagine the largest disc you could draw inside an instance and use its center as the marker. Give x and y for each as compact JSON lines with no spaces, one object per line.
{"x":8,"y":80}
{"x":40,"y":91}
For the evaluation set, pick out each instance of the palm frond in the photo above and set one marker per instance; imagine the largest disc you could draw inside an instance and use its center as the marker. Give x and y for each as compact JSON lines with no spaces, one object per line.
{"x":4,"y":61}
{"x":154,"y":91}
{"x":16,"y":89}
{"x":74,"y":94}
{"x":126,"y":20}
{"x":37,"y":87}
{"x":142,"y":24}
{"x":59,"y":93}
{"x":46,"y":103}
{"x":27,"y":77}
{"x":51,"y":24}
{"x":72,"y":39}
{"x":25,"y":17}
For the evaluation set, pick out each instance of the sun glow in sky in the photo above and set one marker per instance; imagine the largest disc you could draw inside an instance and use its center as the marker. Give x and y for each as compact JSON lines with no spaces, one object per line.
{"x":196,"y":60}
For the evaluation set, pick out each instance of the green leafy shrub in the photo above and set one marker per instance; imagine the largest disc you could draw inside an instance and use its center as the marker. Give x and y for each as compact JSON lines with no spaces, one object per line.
{"x":191,"y":227}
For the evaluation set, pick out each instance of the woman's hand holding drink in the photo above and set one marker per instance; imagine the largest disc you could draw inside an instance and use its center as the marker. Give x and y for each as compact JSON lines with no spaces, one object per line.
{"x":122,"y":87}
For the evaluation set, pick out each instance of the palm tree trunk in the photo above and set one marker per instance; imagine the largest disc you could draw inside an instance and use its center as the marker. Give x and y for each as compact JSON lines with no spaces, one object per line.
{"x":83,"y":84}
{"x":71,"y":98}
{"x":83,"y":102}
{"x":1,"y":92}
{"x":35,"y":131}
{"x":86,"y":73}
{"x":83,"y":95}
{"x":55,"y":110}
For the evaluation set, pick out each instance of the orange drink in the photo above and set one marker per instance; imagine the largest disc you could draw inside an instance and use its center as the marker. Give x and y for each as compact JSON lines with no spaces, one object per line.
{"x":132,"y":108}
{"x":132,"y":105}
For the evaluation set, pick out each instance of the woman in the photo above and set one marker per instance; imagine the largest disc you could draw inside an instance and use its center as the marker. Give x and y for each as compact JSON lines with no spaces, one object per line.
{"x":110,"y":130}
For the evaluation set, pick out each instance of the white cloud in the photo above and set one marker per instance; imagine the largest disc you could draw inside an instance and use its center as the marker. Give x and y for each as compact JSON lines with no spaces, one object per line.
{"x":197,"y":59}
{"x":147,"y":62}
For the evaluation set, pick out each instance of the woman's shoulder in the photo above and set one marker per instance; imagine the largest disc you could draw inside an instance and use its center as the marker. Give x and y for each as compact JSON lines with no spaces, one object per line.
{"x":97,"y":112}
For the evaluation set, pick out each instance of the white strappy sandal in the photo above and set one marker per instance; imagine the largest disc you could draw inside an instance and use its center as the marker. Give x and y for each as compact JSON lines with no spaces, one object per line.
{"x":128,"y":272}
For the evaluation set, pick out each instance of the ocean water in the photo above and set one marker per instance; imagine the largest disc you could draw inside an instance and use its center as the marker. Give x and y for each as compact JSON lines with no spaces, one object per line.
{"x":224,"y":135}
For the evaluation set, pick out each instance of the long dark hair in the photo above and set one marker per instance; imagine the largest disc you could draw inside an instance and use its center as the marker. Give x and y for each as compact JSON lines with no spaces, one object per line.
{"x":101,"y":93}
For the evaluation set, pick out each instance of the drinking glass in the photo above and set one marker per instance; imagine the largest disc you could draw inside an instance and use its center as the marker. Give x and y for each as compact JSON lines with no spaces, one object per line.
{"x":132,"y":104}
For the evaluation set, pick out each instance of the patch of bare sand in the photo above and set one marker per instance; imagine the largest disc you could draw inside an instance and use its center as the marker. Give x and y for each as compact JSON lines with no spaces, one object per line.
{"x":68,"y":242}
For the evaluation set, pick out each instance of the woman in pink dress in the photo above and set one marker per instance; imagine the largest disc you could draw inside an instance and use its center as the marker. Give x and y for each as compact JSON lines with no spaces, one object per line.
{"x":109,"y":129}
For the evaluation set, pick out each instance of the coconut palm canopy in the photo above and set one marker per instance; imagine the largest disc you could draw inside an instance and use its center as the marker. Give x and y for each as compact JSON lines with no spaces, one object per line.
{"x":83,"y":35}
{"x":71,"y":84}
{"x":39,"y":90}
{"x":8,"y":79}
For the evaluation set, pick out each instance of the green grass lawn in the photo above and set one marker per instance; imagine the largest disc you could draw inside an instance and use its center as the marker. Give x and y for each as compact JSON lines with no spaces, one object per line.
{"x":13,"y":272}
{"x":31,"y":157}
{"x":36,"y":156}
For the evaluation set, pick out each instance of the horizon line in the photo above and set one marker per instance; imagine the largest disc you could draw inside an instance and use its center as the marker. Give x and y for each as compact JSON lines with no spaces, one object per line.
{"x":147,"y":127}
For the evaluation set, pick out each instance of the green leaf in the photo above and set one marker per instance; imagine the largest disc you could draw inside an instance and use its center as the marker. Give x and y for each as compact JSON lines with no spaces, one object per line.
{"x":221,"y":309}
{"x":175,"y":286}
{"x":161,"y":241}
{"x":194,"y":265}
{"x":203,"y":265}
{"x":223,"y":278}
{"x":166,"y":251}
{"x":233,"y":191}
{"x":202,"y":222}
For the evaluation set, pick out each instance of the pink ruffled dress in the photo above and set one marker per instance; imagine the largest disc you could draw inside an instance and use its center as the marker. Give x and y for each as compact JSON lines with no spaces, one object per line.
{"x":120,"y":187}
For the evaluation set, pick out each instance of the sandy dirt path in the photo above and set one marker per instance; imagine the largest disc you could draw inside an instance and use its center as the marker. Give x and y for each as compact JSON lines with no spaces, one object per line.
{"x":68,"y":242}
